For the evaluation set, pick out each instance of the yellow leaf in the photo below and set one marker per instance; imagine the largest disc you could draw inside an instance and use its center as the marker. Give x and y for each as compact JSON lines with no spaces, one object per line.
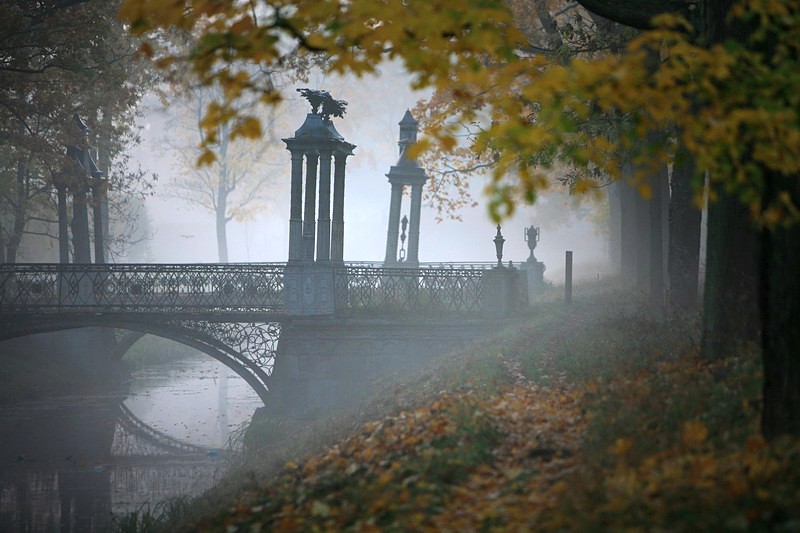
{"x":694,"y":432}
{"x":249,"y":128}
{"x":206,"y":158}
{"x":622,"y":446}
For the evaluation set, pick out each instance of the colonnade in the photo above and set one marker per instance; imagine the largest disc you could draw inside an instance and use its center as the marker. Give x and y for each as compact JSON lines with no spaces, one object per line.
{"x":315,"y":235}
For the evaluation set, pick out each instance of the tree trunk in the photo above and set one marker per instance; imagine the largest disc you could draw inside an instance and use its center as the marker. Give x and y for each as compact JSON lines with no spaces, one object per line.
{"x":642,"y":227}
{"x":628,"y":229}
{"x":731,"y":316}
{"x":730,"y":306}
{"x":615,"y":226}
{"x":636,"y":14}
{"x":15,"y":239}
{"x":2,"y":244}
{"x":104,"y":160}
{"x":780,"y":319}
{"x":222,"y":222}
{"x":684,"y":237}
{"x":20,"y":214}
{"x":98,"y":199}
{"x":657,"y":182}
{"x":80,"y":226}
{"x":63,"y":230}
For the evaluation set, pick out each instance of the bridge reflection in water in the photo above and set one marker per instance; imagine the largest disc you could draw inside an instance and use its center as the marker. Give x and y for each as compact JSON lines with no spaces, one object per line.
{"x":88,"y":457}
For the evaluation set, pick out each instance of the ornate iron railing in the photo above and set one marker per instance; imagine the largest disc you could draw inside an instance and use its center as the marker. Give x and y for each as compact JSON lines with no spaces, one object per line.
{"x":473,"y":265}
{"x":188,"y":288}
{"x":393,"y":291}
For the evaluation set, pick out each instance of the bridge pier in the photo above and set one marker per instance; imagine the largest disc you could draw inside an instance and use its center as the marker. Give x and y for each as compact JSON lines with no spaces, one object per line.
{"x":328,"y":365}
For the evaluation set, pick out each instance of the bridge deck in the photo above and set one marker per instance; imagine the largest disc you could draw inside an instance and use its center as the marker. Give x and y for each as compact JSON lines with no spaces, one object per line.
{"x":232,"y":292}
{"x":206,"y":290}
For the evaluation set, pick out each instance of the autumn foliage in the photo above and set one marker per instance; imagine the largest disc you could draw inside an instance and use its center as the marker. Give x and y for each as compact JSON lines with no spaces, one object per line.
{"x":571,"y":422}
{"x":733,"y":105}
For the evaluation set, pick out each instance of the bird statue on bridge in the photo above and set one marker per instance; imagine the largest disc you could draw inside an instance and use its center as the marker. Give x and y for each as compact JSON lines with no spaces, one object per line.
{"x":322,"y":103}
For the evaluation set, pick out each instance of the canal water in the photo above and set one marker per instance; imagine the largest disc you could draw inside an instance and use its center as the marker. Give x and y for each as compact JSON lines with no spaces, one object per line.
{"x":67,"y":464}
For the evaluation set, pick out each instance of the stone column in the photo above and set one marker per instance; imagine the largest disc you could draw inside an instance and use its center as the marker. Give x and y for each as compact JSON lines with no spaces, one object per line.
{"x":309,"y":225}
{"x":63,"y":231}
{"x":296,"y":209}
{"x":337,"y":230}
{"x":98,"y":199}
{"x":324,"y":220}
{"x":394,"y":222}
{"x":413,"y":232}
{"x":80,"y":225}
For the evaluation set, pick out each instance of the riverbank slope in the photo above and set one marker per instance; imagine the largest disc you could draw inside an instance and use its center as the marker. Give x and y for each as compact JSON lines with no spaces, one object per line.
{"x":586,"y":416}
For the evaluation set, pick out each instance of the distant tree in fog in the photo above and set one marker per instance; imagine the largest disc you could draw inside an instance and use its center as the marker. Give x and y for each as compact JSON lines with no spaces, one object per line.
{"x":59,"y":59}
{"x":241,"y":180}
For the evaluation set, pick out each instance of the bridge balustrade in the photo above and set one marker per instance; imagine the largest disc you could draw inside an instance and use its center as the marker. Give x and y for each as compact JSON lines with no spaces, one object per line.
{"x":252,"y":287}
{"x":364,"y":290}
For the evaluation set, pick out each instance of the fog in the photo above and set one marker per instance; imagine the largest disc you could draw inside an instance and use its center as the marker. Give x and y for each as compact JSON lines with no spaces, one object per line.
{"x":184,"y":233}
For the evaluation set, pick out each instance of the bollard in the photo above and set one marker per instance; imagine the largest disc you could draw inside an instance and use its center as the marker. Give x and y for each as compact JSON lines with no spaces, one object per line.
{"x":568,"y":278}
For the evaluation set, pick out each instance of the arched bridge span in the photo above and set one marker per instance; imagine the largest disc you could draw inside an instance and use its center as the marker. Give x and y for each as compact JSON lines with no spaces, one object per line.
{"x":234,"y":312}
{"x":231,"y":312}
{"x":247,"y":348}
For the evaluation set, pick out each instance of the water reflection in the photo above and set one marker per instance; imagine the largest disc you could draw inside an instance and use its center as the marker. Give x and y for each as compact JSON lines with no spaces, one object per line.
{"x":67,"y":464}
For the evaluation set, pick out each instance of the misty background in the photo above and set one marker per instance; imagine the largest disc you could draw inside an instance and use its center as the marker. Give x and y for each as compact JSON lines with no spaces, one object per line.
{"x":180,"y":232}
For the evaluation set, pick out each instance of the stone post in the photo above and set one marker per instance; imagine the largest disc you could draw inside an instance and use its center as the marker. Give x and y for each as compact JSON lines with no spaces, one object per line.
{"x":63,"y":230}
{"x":394,"y":222}
{"x":309,"y":226}
{"x":296,"y":209}
{"x":324,"y":220}
{"x":337,"y":230}
{"x":413,"y":232}
{"x":503,"y":292}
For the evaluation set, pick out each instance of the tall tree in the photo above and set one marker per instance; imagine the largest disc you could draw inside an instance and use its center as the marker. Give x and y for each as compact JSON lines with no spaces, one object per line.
{"x":242,"y":177}
{"x":59,"y":59}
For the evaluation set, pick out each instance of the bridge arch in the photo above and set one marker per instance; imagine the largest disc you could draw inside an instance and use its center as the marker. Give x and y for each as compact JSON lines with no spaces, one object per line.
{"x":246,"y":348}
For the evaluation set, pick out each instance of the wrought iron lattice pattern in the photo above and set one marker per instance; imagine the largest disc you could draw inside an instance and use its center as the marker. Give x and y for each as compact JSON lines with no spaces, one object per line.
{"x":151,"y":288}
{"x":423,"y":291}
{"x":256,"y":342}
{"x":133,"y":437}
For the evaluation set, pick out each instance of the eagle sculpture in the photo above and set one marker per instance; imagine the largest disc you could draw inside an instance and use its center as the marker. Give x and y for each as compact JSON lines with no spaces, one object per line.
{"x":322,"y":103}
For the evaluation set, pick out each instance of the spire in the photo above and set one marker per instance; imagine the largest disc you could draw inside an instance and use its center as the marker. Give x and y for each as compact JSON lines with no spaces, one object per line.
{"x":408,"y":119}
{"x":408,"y":131}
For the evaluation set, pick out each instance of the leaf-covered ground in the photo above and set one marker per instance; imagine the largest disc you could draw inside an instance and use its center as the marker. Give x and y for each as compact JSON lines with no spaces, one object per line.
{"x":585,"y":418}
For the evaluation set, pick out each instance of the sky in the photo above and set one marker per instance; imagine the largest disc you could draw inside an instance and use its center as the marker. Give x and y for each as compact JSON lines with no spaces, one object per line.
{"x":184,"y":233}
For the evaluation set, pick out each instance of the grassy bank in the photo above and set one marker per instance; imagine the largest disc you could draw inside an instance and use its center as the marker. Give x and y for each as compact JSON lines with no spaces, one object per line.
{"x":588,"y":417}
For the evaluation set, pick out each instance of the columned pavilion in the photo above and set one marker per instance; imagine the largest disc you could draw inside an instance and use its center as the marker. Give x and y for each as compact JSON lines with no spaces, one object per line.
{"x":313,"y":235}
{"x":406,"y":172}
